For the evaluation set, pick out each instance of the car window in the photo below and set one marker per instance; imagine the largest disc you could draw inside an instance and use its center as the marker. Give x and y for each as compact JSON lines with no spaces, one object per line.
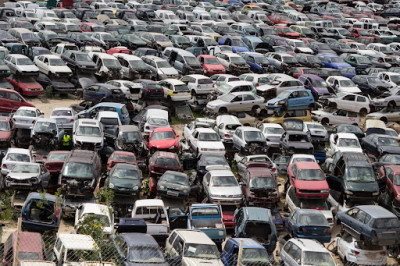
{"x":228,"y":246}
{"x":15,"y":97}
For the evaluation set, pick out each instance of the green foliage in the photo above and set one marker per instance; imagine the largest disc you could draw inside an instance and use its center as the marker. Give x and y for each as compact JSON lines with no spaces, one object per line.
{"x":105,"y":195}
{"x":48,"y":92}
{"x":146,"y":186}
{"x":6,"y":206}
{"x":93,"y":226}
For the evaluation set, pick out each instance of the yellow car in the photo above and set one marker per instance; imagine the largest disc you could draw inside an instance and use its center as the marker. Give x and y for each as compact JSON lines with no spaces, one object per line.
{"x":251,"y":7}
{"x":304,"y":115}
{"x":303,"y":31}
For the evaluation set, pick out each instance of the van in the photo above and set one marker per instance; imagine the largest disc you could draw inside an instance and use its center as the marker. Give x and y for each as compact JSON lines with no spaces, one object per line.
{"x":185,"y":62}
{"x":10,"y":101}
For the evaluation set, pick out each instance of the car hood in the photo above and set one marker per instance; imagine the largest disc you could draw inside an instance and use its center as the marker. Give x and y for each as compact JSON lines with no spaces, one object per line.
{"x":162,"y":143}
{"x":342,"y":149}
{"x":225,"y":190}
{"x":312,"y":185}
{"x":361,"y":186}
{"x":169,"y":71}
{"x":321,"y":90}
{"x":275,"y":100}
{"x":5,"y":135}
{"x":211,"y":144}
{"x":125,"y":183}
{"x":216,"y":102}
{"x":22,"y":176}
{"x":85,"y":63}
{"x":63,"y":69}
{"x":265,"y":87}
{"x":31,"y":68}
{"x":389,"y":149}
{"x":195,"y":261}
{"x":86,"y":139}
{"x":214,"y":67}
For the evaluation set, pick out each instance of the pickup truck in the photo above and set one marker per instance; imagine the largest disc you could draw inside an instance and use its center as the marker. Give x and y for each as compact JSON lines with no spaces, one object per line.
{"x":207,"y":218}
{"x":153,"y":212}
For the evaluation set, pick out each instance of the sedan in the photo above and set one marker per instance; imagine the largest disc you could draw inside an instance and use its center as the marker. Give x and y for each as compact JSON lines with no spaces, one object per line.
{"x":25,"y":117}
{"x":163,"y":138}
{"x":371,"y":223}
{"x":64,"y":116}
{"x":378,"y":145}
{"x":332,"y":116}
{"x":236,"y":102}
{"x":309,"y":224}
{"x":121,"y":157}
{"x":125,"y":180}
{"x":173,"y":184}
{"x":27,"y":176}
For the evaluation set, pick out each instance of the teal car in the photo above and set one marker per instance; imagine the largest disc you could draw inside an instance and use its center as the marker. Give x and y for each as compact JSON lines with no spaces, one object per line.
{"x":291,"y":100}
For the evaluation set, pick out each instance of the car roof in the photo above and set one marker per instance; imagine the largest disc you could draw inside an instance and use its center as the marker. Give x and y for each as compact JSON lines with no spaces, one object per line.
{"x":77,"y":241}
{"x":194,"y":236}
{"x":309,"y":244}
{"x":107,"y":114}
{"x":377,"y":211}
{"x":149,"y":202}
{"x":18,"y":150}
{"x":139,"y":240}
{"x":247,"y":242}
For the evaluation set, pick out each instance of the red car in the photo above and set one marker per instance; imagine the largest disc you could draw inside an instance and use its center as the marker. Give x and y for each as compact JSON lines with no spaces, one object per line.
{"x":159,"y":163}
{"x":163,"y":138}
{"x":296,"y":72}
{"x":211,"y":65}
{"x":119,"y":50}
{"x":362,"y":35}
{"x":287,"y":32}
{"x":308,"y":180}
{"x":55,"y":161}
{"x":280,"y":19}
{"x":7,"y":129}
{"x":11,"y":100}
{"x":259,"y":186}
{"x":90,"y":27}
{"x":393,"y":184}
{"x":27,"y":86}
{"x":121,"y":157}
{"x":228,"y":213}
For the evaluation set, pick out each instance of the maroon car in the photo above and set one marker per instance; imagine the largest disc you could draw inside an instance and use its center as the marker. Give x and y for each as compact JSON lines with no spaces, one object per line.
{"x":55,"y":161}
{"x":7,"y":130}
{"x":121,"y":157}
{"x":259,"y":186}
{"x":159,"y":163}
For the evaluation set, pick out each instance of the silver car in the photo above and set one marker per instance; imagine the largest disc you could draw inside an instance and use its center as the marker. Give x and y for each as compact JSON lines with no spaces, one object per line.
{"x":64,"y":116}
{"x":236,"y":102}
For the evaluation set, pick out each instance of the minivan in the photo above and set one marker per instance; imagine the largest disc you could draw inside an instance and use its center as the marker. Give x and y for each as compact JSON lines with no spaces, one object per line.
{"x":10,"y":101}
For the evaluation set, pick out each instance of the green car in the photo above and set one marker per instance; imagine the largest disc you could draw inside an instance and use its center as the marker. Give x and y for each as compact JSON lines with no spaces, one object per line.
{"x":125,"y":180}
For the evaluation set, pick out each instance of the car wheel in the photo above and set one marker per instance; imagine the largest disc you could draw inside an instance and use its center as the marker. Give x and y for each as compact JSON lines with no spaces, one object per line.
{"x":384,"y":119}
{"x":325,"y":121}
{"x":254,"y":109}
{"x":363,"y":112}
{"x":392,"y":104}
{"x":223,"y":110}
{"x":333,"y":105}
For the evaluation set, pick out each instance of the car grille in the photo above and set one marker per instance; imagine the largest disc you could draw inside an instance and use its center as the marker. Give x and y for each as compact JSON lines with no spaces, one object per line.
{"x":362,"y":194}
{"x":304,"y":151}
{"x":308,"y":191}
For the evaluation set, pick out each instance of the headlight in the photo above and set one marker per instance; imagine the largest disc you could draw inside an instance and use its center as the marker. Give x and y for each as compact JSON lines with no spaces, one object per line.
{"x":375,"y":194}
{"x":348,"y":192}
{"x":398,"y":196}
{"x":111,"y":185}
{"x":185,"y":191}
{"x":172,"y":147}
{"x":276,"y":104}
{"x":325,"y":191}
{"x":162,"y":187}
{"x":135,"y":188}
{"x":282,"y":102}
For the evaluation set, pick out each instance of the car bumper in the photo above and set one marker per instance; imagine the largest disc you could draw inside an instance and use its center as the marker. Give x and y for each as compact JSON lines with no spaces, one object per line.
{"x":367,"y":260}
{"x":32,"y":93}
{"x":320,"y":238}
{"x":172,"y":194}
{"x":181,"y":98}
{"x":227,"y":201}
{"x":305,"y":195}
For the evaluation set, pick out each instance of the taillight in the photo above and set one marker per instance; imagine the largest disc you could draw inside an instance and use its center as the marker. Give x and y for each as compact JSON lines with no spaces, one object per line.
{"x":162,"y":90}
{"x":327,"y":231}
{"x":147,"y":127}
{"x":304,"y":230}
{"x":148,"y":90}
{"x":4,"y":165}
{"x":72,"y":120}
{"x":227,"y":135}
{"x":355,"y":252}
{"x":273,"y":169}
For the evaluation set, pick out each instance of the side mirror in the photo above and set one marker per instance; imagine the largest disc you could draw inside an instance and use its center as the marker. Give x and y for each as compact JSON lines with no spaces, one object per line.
{"x":279,"y":185}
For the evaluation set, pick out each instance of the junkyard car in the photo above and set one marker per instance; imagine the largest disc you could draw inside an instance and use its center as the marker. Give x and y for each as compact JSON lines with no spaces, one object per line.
{"x":27,"y":176}
{"x":249,"y":141}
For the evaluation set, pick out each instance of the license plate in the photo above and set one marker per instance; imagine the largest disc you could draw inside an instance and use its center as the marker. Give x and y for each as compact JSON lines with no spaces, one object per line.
{"x":270,"y":112}
{"x":173,"y":193}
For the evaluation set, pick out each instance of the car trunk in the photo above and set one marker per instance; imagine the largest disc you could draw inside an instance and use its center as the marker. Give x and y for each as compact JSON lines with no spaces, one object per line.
{"x":259,"y":231}
{"x":40,"y":216}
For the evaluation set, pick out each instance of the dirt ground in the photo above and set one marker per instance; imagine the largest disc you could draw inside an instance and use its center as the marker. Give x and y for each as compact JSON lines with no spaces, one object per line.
{"x":47,"y":105}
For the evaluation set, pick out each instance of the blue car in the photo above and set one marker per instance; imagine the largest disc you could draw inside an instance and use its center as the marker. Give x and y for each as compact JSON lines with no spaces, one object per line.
{"x":253,"y":252}
{"x":310,"y":224}
{"x":237,"y":44}
{"x":333,"y":61}
{"x":348,"y":72}
{"x":252,"y":42}
{"x":291,"y":100}
{"x":258,"y":62}
{"x":107,"y":106}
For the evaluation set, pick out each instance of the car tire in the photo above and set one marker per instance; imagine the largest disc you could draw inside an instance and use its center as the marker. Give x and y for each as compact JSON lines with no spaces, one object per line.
{"x":384,"y":119}
{"x":254,"y":109}
{"x":392,"y":104}
{"x":363,"y":112}
{"x":223,"y":110}
{"x":325,"y":121}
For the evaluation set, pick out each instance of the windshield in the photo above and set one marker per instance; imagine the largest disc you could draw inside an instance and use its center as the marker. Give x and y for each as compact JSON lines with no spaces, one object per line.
{"x":24,"y":61}
{"x":145,"y":255}
{"x":28,"y":36}
{"x":318,"y":258}
{"x":209,"y":137}
{"x":180,"y":179}
{"x":395,"y":78}
{"x":78,"y":170}
{"x":45,"y":127}
{"x":109,"y":121}
{"x":347,"y":83}
{"x":310,"y":175}
{"x":384,"y":223}
{"x":56,"y":62}
{"x":4,"y":126}
{"x":167,"y":162}
{"x":289,"y":59}
{"x":125,"y":173}
{"x":191,"y":61}
{"x":82,"y":57}
{"x":61,"y":113}
{"x":131,"y":136}
{"x":18,"y":157}
{"x":24,"y":168}
{"x":349,"y":143}
{"x":263,"y":183}
{"x":139,"y":64}
{"x":261,"y":60}
{"x":312,"y":219}
{"x":238,"y":42}
{"x":88,"y":131}
{"x":163,"y":64}
{"x":163,"y":135}
{"x":160,"y":38}
{"x":237,"y":60}
{"x":227,"y":97}
{"x":388,"y":142}
{"x":258,"y":256}
{"x":253,"y":136}
{"x":158,"y":121}
{"x":201,"y":251}
{"x":54,"y":157}
{"x":124,"y":158}
{"x":319,"y":83}
{"x":360,"y":174}
{"x":214,"y":160}
{"x":224,"y":181}
{"x":274,"y":130}
{"x":111,"y":63}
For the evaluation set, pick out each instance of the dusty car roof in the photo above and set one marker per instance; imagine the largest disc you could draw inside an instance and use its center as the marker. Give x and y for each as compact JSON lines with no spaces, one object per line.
{"x":139,"y":240}
{"x":194,"y":236}
{"x":257,"y":213}
{"x":77,"y":241}
{"x":376,"y":211}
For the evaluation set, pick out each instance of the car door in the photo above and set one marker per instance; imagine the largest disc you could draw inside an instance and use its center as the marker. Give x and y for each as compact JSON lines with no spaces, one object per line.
{"x":90,"y":93}
{"x":206,"y":183}
{"x":235,"y":104}
{"x":15,"y":101}
{"x":347,"y":102}
{"x":194,"y":139}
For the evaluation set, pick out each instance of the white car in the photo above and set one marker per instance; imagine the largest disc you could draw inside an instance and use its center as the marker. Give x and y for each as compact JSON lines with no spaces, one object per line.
{"x":350,"y":102}
{"x":159,"y":67}
{"x":15,"y":156}
{"x":88,"y":133}
{"x":205,"y":140}
{"x":305,"y":252}
{"x":330,"y":116}
{"x":155,"y":118}
{"x":352,"y":251}
{"x":102,"y":212}
{"x":25,"y":117}
{"x":316,"y":132}
{"x":198,"y":84}
{"x":344,"y":142}
{"x":64,"y":116}
{"x":391,"y":78}
{"x":225,"y":126}
{"x":221,"y":187}
{"x":189,"y":128}
{"x":342,"y":84}
{"x":292,"y":202}
{"x":249,"y":141}
{"x":272,"y":133}
{"x":302,"y":158}
{"x":236,"y":102}
{"x":175,"y":90}
{"x":21,"y":65}
{"x":132,"y":90}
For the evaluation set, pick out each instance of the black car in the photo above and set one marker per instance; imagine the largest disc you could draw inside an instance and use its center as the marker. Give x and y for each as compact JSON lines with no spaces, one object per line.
{"x":125,"y":180}
{"x":151,"y":89}
{"x":81,"y":39}
{"x":131,"y":41}
{"x":173,"y":184}
{"x":370,"y":85}
{"x":345,"y":128}
{"x":138,"y":249}
{"x":308,"y":60}
{"x":145,"y":51}
{"x":380,"y":144}
{"x":294,"y":139}
{"x":79,"y":62}
{"x":352,"y":178}
{"x":206,"y":159}
{"x":101,"y":92}
{"x":48,"y":38}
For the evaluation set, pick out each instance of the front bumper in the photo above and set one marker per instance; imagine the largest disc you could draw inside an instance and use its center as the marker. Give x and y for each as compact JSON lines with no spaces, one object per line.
{"x":318,"y":237}
{"x":226,"y":200}
{"x":167,"y":193}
